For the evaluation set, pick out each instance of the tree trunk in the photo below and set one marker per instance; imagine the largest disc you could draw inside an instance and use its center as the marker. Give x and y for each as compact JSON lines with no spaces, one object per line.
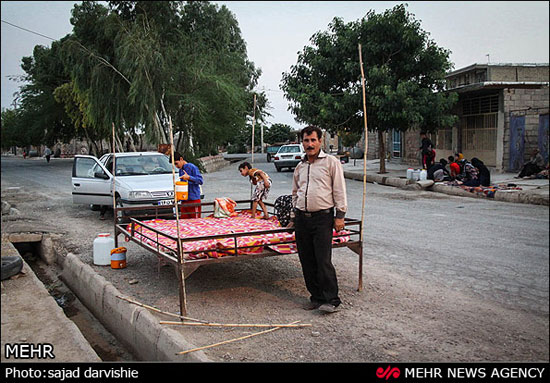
{"x":132,"y":144}
{"x":382,"y":152}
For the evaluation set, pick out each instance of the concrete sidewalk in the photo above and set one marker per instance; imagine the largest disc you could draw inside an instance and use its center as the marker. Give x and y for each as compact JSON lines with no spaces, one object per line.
{"x":533,"y":191}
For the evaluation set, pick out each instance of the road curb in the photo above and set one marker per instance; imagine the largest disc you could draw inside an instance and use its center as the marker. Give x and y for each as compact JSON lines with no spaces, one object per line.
{"x":513,"y":197}
{"x":134,"y":326}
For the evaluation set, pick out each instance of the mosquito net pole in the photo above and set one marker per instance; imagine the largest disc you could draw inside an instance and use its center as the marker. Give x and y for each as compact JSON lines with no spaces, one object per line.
{"x":181,"y":275}
{"x":364,"y":170}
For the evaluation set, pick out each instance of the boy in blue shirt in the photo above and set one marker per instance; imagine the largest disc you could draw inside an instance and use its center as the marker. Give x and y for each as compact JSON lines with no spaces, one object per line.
{"x":190,"y":173}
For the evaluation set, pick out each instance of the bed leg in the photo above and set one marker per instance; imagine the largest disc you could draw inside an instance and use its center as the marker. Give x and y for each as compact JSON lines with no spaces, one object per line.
{"x":357,"y":248}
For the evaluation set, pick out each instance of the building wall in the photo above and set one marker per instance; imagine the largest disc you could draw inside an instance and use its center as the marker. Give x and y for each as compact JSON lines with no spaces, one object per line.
{"x":517,"y":101}
{"x":518,"y":73}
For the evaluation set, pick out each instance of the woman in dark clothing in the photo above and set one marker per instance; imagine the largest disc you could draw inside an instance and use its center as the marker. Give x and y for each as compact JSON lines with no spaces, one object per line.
{"x":484,"y":174}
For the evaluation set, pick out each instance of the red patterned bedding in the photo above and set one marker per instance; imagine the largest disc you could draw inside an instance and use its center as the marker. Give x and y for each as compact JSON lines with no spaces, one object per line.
{"x":219,"y":247}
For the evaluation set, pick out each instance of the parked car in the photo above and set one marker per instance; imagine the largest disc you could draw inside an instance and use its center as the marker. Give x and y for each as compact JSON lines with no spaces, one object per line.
{"x":288,"y":156}
{"x":142,"y":179}
{"x":272,"y":150}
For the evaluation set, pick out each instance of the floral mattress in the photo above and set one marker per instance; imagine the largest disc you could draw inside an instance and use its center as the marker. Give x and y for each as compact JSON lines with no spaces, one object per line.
{"x":219,"y":247}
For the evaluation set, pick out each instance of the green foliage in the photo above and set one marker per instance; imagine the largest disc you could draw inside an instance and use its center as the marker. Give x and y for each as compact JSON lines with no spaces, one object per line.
{"x":140,"y":65}
{"x":404,"y":73}
{"x":278,"y":133}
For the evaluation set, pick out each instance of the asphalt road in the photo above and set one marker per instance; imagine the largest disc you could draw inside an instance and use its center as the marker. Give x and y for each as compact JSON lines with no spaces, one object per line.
{"x":446,"y":277}
{"x":493,"y":249}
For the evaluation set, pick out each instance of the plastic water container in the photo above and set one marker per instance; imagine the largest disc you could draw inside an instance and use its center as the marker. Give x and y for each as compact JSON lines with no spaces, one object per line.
{"x":410,"y":173}
{"x":423,"y":175}
{"x":182,"y":190}
{"x":103,"y":245}
{"x":416,"y":175}
{"x":118,"y":258}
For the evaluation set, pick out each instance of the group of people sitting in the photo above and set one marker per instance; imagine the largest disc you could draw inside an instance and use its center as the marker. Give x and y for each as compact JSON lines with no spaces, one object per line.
{"x":464,"y":172}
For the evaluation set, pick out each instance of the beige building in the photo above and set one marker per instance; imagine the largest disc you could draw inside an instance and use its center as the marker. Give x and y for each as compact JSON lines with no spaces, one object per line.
{"x":502,"y":114}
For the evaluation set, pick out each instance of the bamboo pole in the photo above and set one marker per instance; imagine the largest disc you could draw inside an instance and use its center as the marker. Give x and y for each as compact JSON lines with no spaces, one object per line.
{"x":233,"y":340}
{"x":360,"y":287}
{"x":114,"y":184}
{"x":234,"y":324}
{"x":253,"y":125}
{"x":159,"y":311}
{"x":181,"y":274}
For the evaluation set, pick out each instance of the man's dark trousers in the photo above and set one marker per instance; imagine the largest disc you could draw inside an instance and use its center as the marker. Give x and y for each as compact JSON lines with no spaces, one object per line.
{"x":314,"y":242}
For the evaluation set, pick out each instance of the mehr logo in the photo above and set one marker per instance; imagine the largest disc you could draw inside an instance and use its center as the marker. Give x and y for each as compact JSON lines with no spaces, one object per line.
{"x":389,"y":372}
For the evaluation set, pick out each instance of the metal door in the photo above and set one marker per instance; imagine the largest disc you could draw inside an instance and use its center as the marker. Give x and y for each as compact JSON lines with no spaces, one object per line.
{"x":88,"y":185}
{"x":517,"y":142}
{"x":543,"y":136}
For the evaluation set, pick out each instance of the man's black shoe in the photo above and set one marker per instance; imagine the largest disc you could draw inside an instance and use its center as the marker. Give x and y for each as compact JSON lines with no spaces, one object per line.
{"x":327,"y":308}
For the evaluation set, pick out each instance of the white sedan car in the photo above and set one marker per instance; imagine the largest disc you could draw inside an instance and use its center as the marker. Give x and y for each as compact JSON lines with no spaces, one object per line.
{"x":288,"y":156}
{"x":142,"y":179}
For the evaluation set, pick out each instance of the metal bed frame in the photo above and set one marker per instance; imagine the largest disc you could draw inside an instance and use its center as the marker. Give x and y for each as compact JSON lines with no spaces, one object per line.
{"x":177,"y":258}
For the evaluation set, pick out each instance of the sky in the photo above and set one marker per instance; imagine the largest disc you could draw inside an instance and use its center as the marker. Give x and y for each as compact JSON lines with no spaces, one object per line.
{"x":275,"y":31}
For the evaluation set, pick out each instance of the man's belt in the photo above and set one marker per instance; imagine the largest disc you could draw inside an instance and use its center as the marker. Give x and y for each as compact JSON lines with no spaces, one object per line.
{"x":314,"y":213}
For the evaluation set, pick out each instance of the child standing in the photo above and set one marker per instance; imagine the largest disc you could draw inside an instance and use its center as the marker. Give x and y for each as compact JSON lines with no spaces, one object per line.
{"x":261,"y":180}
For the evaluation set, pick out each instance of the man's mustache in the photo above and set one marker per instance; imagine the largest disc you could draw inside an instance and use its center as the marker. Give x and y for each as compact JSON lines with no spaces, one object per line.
{"x":310,"y":148}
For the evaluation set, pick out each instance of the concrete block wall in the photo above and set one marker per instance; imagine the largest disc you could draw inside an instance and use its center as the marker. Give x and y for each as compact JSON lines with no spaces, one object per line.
{"x":517,"y":101}
{"x":213,"y":163}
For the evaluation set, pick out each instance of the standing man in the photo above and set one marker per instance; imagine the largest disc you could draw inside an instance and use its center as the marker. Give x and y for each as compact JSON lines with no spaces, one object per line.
{"x":320,"y":203}
{"x":190,"y":173}
{"x":47,"y":154}
{"x":426,"y":148}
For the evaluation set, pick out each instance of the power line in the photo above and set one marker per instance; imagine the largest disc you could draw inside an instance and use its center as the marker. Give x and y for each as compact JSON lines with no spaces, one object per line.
{"x":28,"y":30}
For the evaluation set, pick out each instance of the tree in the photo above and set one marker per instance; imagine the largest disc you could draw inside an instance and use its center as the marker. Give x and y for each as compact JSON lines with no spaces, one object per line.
{"x":404,"y":73}
{"x":278,"y":133}
{"x":41,"y":117}
{"x":145,"y":63}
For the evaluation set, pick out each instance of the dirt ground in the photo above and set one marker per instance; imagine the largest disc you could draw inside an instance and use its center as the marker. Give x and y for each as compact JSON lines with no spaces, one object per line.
{"x":395,"y":317}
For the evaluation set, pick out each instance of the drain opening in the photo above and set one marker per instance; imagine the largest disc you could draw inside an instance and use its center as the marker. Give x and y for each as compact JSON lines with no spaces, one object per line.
{"x":107,"y":347}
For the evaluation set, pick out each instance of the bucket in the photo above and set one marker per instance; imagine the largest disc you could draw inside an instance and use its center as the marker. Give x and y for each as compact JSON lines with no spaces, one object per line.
{"x":182,"y":192}
{"x":118,"y":258}
{"x":103,"y":245}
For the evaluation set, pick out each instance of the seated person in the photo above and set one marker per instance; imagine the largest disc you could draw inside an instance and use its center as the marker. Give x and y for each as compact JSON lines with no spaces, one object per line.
{"x":484,"y":174}
{"x":533,"y":166}
{"x":439,"y":172}
{"x":454,"y":166}
{"x":470,"y":175}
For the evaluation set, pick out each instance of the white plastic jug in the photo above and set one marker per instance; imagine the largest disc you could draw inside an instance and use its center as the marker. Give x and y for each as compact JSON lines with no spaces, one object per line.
{"x":410,"y":173}
{"x":423,"y":175}
{"x":416,"y":175}
{"x":103,"y":245}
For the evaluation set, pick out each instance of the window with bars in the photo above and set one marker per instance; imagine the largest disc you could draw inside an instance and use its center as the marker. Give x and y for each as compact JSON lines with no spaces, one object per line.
{"x":480,"y":105}
{"x":479,"y":132}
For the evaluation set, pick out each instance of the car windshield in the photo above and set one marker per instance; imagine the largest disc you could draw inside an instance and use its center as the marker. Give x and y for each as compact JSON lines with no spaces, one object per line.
{"x":142,"y":165}
{"x":272,"y":149}
{"x":289,"y":149}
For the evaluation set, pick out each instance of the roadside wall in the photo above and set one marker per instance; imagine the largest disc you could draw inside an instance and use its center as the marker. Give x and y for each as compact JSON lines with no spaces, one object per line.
{"x":134,"y":326}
